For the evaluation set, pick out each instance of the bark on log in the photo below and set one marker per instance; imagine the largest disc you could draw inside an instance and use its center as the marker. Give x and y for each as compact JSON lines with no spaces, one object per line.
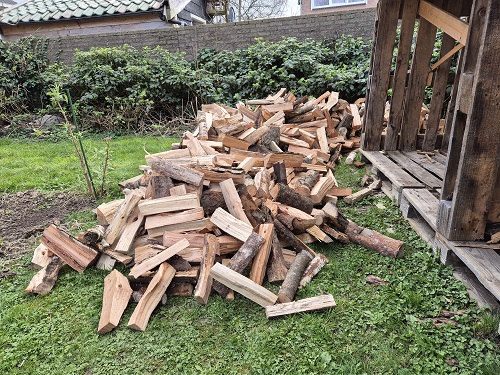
{"x":277,"y":269}
{"x":44,"y":280}
{"x":273,"y":135}
{"x":177,"y":172}
{"x":335,"y":217}
{"x":241,"y":260}
{"x":312,"y":269}
{"x":346,"y":122}
{"x":160,"y":186}
{"x":291,"y":198}
{"x":306,"y":183}
{"x":248,"y":204}
{"x":339,"y":236}
{"x":374,"y":241}
{"x":292,"y":279}
{"x":212,"y":199}
{"x":93,"y":235}
{"x":279,"y":173}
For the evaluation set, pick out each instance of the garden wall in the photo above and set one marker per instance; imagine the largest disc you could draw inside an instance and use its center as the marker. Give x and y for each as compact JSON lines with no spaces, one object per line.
{"x":227,"y":36}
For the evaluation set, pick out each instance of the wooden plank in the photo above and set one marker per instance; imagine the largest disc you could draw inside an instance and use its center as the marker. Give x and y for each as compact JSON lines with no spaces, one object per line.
{"x":151,"y":263}
{"x":117,"y":292}
{"x":485,"y":264}
{"x":380,"y":70}
{"x":415,"y":169}
{"x":425,"y":203}
{"x":391,"y":170}
{"x":233,"y":201}
{"x":231,"y":225}
{"x":435,"y":167}
{"x":151,"y":297}
{"x":416,"y":85}
{"x":169,"y":204}
{"x":204,"y":284}
{"x":451,"y":25}
{"x":243,"y":285}
{"x":304,"y":305}
{"x":476,"y":290}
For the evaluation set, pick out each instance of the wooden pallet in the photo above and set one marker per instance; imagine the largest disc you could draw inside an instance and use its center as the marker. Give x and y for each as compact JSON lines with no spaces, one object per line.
{"x":413,"y":180}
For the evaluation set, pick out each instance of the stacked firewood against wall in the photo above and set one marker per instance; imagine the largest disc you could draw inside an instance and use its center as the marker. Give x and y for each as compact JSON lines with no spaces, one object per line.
{"x":249,"y":189}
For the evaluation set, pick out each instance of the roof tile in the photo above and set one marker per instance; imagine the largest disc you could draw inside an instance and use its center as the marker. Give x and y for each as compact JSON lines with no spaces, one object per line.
{"x":44,"y":10}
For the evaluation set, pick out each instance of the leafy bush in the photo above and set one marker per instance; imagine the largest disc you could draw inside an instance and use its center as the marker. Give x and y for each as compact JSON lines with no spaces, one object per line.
{"x":22,"y":85}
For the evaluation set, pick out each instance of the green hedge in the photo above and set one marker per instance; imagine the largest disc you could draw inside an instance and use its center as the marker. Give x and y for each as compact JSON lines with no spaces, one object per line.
{"x":123,"y":88}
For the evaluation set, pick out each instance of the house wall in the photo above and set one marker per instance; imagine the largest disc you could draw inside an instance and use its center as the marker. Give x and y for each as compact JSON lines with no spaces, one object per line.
{"x":86,"y":27}
{"x":305,"y":7}
{"x":225,"y":36}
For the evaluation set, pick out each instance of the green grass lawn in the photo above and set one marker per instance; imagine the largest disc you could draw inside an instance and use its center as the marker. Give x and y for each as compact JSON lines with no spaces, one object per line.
{"x":373,"y":329}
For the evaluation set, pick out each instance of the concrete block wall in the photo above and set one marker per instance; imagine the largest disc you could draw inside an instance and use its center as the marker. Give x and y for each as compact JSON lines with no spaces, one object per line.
{"x":227,"y":36}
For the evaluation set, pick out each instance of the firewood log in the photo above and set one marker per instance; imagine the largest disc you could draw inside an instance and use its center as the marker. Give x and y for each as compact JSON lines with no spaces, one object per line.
{"x":293,"y":277}
{"x":291,"y":198}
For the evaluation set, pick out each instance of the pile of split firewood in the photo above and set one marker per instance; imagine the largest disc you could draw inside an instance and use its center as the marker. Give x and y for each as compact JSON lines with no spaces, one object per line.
{"x":251,"y":187}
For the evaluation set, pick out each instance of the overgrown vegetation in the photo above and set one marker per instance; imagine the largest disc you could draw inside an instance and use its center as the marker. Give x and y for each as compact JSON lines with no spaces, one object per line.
{"x":373,"y":329}
{"x":123,"y":89}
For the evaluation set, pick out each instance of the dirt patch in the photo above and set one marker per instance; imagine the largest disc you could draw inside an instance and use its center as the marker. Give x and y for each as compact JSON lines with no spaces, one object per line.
{"x":24,"y":216}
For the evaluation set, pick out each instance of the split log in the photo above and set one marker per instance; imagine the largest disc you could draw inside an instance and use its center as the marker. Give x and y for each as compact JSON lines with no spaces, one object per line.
{"x":106,"y":211}
{"x":122,"y":258}
{"x":45,"y":279}
{"x":262,"y":180}
{"x":41,"y":256}
{"x":160,"y":186}
{"x":92,"y":236}
{"x":339,"y":236}
{"x":277,"y":269}
{"x":151,"y":298}
{"x":243,"y":285}
{"x":287,"y":236}
{"x":300,"y":221}
{"x":279,"y":173}
{"x":105,"y":262}
{"x":119,"y":221}
{"x":261,"y":259}
{"x":212,"y":199}
{"x":272,"y":136}
{"x":233,"y":201}
{"x":169,"y":204}
{"x":188,"y":226}
{"x":204,"y":285}
{"x":230,"y":295}
{"x":318,"y":262}
{"x":291,"y":198}
{"x":77,"y":255}
{"x":319,"y":234}
{"x":117,"y":292}
{"x":129,"y":232}
{"x":306,"y":183}
{"x":256,"y":135}
{"x":165,"y":219}
{"x":231,"y":142}
{"x":178,"y":190}
{"x":322,"y":186}
{"x":338,"y":220}
{"x":177,"y":172}
{"x":356,"y":197}
{"x":179,"y":263}
{"x":346,"y":122}
{"x":231,"y":225}
{"x":292,"y":279}
{"x":304,"y":305}
{"x":248,"y":204}
{"x":241,"y":259}
{"x":374,"y":241}
{"x":151,"y":263}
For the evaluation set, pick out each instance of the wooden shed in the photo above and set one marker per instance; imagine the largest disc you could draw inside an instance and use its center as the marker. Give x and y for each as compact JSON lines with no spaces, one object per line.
{"x":444,"y":177}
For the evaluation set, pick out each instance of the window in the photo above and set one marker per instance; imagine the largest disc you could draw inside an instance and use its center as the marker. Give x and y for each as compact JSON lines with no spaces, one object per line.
{"x":315,"y":4}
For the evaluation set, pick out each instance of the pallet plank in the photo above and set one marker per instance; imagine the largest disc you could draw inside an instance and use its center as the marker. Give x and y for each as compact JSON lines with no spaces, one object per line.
{"x":415,"y":169}
{"x":425,"y":203}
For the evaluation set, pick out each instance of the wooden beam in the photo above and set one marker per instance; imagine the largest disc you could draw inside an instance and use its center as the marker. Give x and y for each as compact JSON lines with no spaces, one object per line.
{"x":304,"y":305}
{"x":152,"y":297}
{"x":243,"y":285}
{"x":450,"y":24}
{"x":117,"y":292}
